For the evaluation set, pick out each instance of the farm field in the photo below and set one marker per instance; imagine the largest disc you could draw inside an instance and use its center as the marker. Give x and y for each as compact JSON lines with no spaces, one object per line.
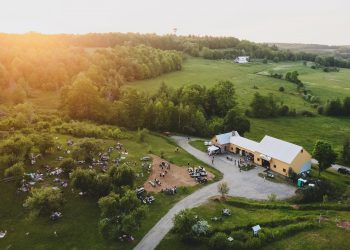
{"x":78,"y":228}
{"x":244,"y":77}
{"x":300,"y":130}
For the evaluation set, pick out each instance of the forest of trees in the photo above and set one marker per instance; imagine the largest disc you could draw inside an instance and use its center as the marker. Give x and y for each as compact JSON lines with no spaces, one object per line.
{"x":338,"y":108}
{"x":207,"y":46}
{"x":191,"y":109}
{"x":51,"y":68}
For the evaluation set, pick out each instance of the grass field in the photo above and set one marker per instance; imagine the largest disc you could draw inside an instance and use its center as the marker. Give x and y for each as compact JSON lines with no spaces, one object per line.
{"x":318,"y":238}
{"x":78,"y":229}
{"x":325,"y":85}
{"x":245,"y":77}
{"x":300,"y":130}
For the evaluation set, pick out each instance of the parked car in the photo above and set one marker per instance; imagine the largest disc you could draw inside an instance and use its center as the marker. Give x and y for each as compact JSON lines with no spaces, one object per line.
{"x":344,"y":171}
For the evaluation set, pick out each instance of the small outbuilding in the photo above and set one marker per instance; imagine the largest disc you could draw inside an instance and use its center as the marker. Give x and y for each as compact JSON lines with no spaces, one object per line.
{"x":242,"y":59}
{"x":256,"y":229}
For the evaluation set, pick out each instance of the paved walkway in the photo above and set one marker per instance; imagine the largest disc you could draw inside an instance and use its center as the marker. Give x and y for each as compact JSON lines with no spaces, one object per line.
{"x":245,"y":184}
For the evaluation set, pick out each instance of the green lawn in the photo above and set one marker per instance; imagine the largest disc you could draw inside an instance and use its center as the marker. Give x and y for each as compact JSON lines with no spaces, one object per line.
{"x":199,"y":144}
{"x":78,"y":228}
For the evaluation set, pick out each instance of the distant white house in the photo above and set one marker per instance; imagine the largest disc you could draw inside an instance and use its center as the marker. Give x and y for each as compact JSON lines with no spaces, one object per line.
{"x":242,"y":59}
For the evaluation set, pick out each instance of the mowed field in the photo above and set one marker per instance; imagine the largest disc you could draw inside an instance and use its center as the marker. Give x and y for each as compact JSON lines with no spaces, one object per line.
{"x":301,"y":130}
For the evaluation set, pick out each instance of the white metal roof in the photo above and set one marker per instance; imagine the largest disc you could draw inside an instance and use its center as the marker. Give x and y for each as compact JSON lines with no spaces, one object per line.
{"x":278,"y":149}
{"x":225,"y":138}
{"x":244,"y":143}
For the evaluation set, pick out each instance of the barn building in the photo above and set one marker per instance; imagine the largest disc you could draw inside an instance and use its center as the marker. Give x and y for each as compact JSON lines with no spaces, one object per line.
{"x":270,"y":152}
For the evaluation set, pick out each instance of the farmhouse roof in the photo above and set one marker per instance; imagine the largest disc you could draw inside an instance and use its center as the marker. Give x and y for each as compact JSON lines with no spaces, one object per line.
{"x":269,"y":147}
{"x":225,"y":138}
{"x":278,"y":149}
{"x":245,"y":143}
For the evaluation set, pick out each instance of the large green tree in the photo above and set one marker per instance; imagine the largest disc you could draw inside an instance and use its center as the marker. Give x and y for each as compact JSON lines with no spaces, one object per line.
{"x":83,"y":100}
{"x":345,"y":154}
{"x":122,"y":176}
{"x":324,"y":154}
{"x":44,"y":200}
{"x":120,"y":214}
{"x":235,"y":121}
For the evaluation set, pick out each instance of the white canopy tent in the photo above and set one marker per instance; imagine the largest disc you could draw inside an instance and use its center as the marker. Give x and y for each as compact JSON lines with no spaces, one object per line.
{"x":213,"y":149}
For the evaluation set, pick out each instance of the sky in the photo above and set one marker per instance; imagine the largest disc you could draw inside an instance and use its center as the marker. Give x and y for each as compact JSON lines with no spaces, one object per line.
{"x":289,"y":21}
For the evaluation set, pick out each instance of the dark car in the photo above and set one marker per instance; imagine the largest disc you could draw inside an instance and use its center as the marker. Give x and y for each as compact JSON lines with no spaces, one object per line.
{"x":344,"y":171}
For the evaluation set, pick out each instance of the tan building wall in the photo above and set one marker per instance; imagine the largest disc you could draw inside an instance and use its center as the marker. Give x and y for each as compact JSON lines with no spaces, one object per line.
{"x":275,"y":165}
{"x":233,"y":148}
{"x":300,"y":160}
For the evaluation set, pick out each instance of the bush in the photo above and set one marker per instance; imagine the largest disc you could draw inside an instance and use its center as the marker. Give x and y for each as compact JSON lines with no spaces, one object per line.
{"x":320,"y":110}
{"x":281,"y":89}
{"x":183,"y":224}
{"x":67,"y":165}
{"x":284,"y":110}
{"x":239,"y":235}
{"x":306,"y":113}
{"x":17,"y":170}
{"x":219,"y":241}
{"x":253,"y":243}
{"x":44,"y":200}
{"x":313,"y":194}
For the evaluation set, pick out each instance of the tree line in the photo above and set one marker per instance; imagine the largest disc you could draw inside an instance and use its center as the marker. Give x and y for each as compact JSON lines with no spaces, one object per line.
{"x":338,"y":107}
{"x":207,"y":46}
{"x":191,"y":109}
{"x":52,"y":68}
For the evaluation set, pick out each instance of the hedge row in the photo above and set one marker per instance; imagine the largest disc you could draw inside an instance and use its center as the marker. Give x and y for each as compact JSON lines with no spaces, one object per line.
{"x":243,"y":204}
{"x":270,"y":223}
{"x":219,"y":239}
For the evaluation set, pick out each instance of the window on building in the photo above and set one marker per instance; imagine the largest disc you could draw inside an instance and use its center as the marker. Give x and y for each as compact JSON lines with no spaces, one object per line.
{"x":302,"y":150}
{"x":216,"y":140}
{"x":284,"y":170}
{"x":258,"y":159}
{"x":274,"y":165}
{"x":231,"y":148}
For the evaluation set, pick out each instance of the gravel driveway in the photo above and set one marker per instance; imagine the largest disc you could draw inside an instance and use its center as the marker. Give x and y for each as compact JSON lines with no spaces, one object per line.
{"x":245,"y":184}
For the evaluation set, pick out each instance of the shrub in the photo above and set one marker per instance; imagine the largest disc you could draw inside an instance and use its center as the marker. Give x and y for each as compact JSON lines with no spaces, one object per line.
{"x":219,"y":241}
{"x":284,"y":110}
{"x":201,"y":228}
{"x":306,"y":113}
{"x":253,"y":243}
{"x":239,"y":235}
{"x":281,"y":89}
{"x":44,"y":200}
{"x":15,"y":170}
{"x":183,"y":224}
{"x":320,"y":110}
{"x":67,"y":165}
